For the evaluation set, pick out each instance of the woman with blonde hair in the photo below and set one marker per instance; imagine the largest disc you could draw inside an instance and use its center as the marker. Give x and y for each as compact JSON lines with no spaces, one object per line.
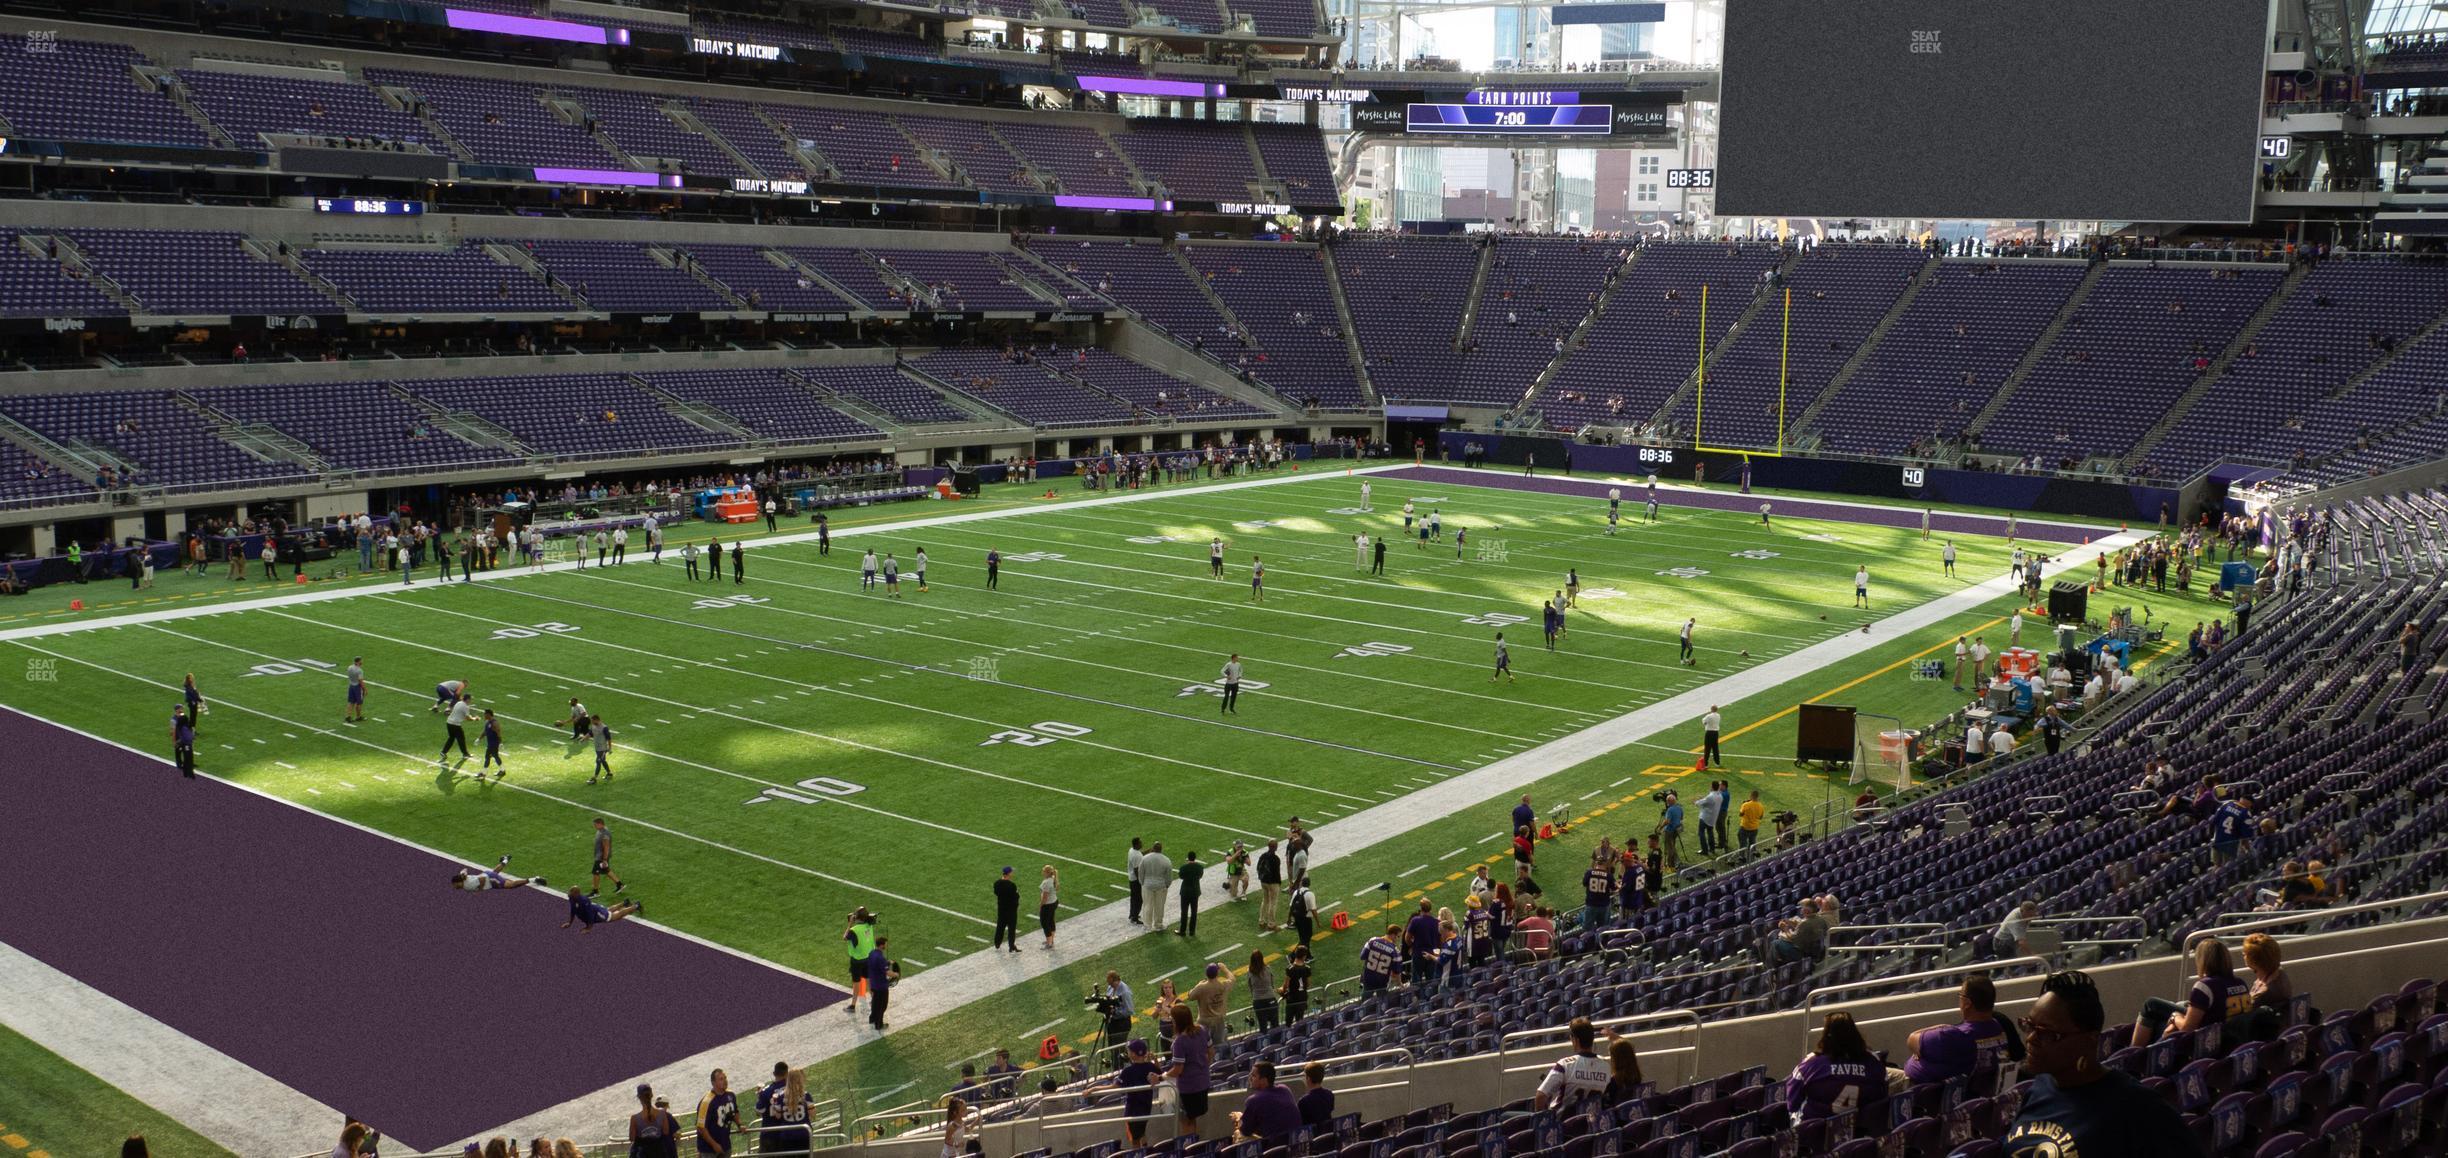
{"x":786,"y":1116}
{"x":565,"y":1148}
{"x":2216,"y":995}
{"x":1049,"y":890}
{"x":2272,"y":991}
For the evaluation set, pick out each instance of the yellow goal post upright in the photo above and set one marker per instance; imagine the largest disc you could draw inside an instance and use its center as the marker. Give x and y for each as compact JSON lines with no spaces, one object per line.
{"x":1700,"y":390}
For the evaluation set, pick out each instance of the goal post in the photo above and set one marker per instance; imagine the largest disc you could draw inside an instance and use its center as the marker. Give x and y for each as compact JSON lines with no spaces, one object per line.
{"x":1700,"y":441}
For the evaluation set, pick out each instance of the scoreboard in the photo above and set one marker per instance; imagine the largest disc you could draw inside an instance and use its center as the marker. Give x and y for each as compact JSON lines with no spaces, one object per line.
{"x":1497,"y":120}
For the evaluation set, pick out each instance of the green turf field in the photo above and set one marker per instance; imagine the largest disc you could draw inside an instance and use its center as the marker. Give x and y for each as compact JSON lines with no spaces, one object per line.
{"x":50,"y":1107}
{"x":791,"y":747}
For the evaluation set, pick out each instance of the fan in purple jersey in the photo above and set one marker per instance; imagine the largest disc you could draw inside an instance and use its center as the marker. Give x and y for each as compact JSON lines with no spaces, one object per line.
{"x":1841,"y":1077}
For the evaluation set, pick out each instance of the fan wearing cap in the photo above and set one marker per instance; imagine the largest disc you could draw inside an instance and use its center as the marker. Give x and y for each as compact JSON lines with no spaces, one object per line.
{"x":1007,"y":911}
{"x":1137,"y":1081}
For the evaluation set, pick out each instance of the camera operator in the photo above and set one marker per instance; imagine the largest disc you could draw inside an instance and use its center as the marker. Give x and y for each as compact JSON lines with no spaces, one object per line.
{"x":1115,"y":1008}
{"x":1786,"y":822}
{"x":1670,"y":826}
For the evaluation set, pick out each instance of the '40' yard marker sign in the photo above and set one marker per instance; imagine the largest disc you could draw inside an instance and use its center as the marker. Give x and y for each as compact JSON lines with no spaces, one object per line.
{"x":720,"y":602}
{"x":290,"y":668}
{"x":1367,"y":650}
{"x":813,"y":786}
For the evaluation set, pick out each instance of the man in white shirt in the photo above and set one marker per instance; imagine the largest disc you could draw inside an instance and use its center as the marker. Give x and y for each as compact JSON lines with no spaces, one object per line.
{"x":2001,"y":742}
{"x":1861,"y":586}
{"x":654,"y":538}
{"x":620,"y":544}
{"x":1130,"y":869}
{"x":1946,"y":554}
{"x":455,"y":729}
{"x":1155,"y":880}
{"x":1709,"y":724}
{"x":1980,"y":662}
{"x":2093,"y":690}
{"x":1963,"y":653}
{"x":2059,"y":678}
{"x":770,"y":525}
{"x":1578,"y":1079}
{"x":867,"y":570}
{"x":1360,"y":552}
{"x":2014,"y":630}
{"x":2128,"y":682}
{"x":1976,"y":743}
{"x":1364,"y":495}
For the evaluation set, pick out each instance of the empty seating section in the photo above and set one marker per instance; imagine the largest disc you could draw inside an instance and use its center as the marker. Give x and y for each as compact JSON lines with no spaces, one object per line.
{"x":754,"y":275}
{"x":77,"y":90}
{"x":962,"y":281}
{"x":2126,"y":354}
{"x":501,"y":122}
{"x":637,"y":125}
{"x":1647,"y":342}
{"x":38,"y":287}
{"x":181,"y":272}
{"x":2342,"y":317}
{"x":162,"y":442}
{"x":975,"y":151}
{"x":755,"y":139}
{"x":1839,"y":293}
{"x":852,"y":273}
{"x":1082,"y":159}
{"x":1151,"y":390}
{"x":361,"y":426}
{"x":1279,"y":17}
{"x":880,"y":42}
{"x":766,"y":401}
{"x":787,"y":34}
{"x":1039,"y":392}
{"x":1406,"y":297}
{"x":1957,"y":342}
{"x":1281,"y":296}
{"x":1193,"y":160}
{"x":573,"y":416}
{"x":887,"y":389}
{"x":2393,"y":416}
{"x":1538,"y":289}
{"x":26,"y":480}
{"x":1296,"y":158}
{"x":622,"y":276}
{"x":252,"y":108}
{"x":460,"y":280}
{"x":864,"y":147}
{"x":1144,"y":278}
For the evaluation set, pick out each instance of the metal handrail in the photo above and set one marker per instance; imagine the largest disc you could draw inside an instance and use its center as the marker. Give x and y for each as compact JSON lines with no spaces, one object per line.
{"x":1742,"y":967}
{"x":1810,"y":1001}
{"x":2184,"y":960}
{"x":1688,"y":1023}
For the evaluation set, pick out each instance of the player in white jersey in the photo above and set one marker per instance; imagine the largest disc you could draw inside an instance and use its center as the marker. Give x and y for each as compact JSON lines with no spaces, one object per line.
{"x":1409,"y":514}
{"x":475,"y":880}
{"x":867,"y":570}
{"x":1215,"y":558}
{"x":1364,"y":495}
{"x":1360,"y":552}
{"x":1861,"y":586}
{"x":1946,"y":555}
{"x":1653,"y":504}
{"x":1925,"y":516}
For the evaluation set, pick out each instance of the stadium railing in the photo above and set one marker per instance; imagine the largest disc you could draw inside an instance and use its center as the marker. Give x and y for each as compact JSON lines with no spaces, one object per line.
{"x":2269,"y":921}
{"x":1810,"y":1001}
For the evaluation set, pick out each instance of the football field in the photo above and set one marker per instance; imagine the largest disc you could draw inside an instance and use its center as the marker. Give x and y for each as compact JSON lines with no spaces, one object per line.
{"x":794,"y":745}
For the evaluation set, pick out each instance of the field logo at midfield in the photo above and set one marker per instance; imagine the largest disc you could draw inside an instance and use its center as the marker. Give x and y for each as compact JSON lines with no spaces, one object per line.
{"x":278,"y":667}
{"x":1493,"y":551}
{"x":1682,"y":573}
{"x":1039,"y":734}
{"x":1257,"y":524}
{"x":988,"y":668}
{"x":1756,"y":553}
{"x":1034,"y":557}
{"x":531,"y":631}
{"x":1496,"y":619}
{"x":721,"y":601}
{"x":1213,"y":688}
{"x":1349,"y":511}
{"x":812,"y":788}
{"x":1602,"y":593}
{"x":42,"y":670}
{"x":1367,"y":650}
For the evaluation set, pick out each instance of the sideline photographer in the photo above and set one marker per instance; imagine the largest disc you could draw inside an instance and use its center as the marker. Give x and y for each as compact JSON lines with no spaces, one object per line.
{"x":1115,"y":1009}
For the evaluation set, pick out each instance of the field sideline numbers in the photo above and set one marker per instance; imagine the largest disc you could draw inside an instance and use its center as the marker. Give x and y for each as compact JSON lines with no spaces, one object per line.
{"x":1496,"y":619}
{"x":533,"y":630}
{"x":1033,"y":557}
{"x":1039,"y":734}
{"x":1682,"y":573}
{"x":292,"y":667}
{"x":1213,"y":688}
{"x":1755,"y":553}
{"x":808,"y":791}
{"x":1367,"y":650}
{"x":722,"y":601}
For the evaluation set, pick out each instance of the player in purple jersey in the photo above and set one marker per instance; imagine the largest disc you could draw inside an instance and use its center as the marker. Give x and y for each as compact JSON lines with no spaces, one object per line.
{"x":586,"y":909}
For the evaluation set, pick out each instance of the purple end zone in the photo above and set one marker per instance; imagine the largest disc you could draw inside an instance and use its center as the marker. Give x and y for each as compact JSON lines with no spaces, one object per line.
{"x":336,"y":960}
{"x":1787,"y":506}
